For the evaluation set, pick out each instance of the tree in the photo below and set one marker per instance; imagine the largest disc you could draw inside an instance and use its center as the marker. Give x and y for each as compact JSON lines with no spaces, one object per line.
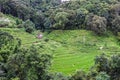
{"x":17,"y":63}
{"x":80,"y":17}
{"x":96,"y":23}
{"x":114,"y":19}
{"x":110,"y":65}
{"x":102,"y":76}
{"x":38,"y":19}
{"x":29,"y":26}
{"x":102,"y":63}
{"x":98,"y":8}
{"x":115,"y":10}
{"x":61,"y":18}
{"x":28,"y":64}
{"x":115,"y":27}
{"x":57,"y":76}
{"x":8,"y":45}
{"x":79,"y":75}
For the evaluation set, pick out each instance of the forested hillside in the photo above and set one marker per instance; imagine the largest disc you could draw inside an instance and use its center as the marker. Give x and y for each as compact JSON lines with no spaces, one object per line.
{"x":96,"y":15}
{"x":59,"y":40}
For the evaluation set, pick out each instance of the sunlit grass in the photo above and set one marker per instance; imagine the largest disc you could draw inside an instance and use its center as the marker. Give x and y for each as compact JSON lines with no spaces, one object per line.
{"x":71,"y":49}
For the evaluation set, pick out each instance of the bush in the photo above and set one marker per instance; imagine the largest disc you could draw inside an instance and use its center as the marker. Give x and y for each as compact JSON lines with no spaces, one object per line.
{"x":4,"y":24}
{"x":96,"y":23}
{"x":57,"y":76}
{"x":28,"y":64}
{"x":115,"y":10}
{"x":29,"y":26}
{"x":115,"y":27}
{"x":8,"y":44}
{"x":61,"y":18}
{"x":110,"y":65}
{"x":102,"y":76}
{"x":79,"y":75}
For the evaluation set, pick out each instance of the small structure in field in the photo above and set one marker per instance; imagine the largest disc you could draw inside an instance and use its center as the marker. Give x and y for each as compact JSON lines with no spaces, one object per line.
{"x":40,"y":36}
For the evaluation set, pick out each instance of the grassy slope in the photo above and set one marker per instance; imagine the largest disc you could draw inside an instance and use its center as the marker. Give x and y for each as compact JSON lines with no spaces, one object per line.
{"x":19,"y":33}
{"x":72,"y":50}
{"x":79,"y":48}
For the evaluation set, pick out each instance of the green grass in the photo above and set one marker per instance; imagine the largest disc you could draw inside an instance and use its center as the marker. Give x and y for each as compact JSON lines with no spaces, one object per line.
{"x":11,"y":21}
{"x":26,"y":38}
{"x":79,"y":48}
{"x":71,"y":49}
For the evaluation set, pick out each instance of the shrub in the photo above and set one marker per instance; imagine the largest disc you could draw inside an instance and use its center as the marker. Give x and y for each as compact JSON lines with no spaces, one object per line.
{"x":110,"y":65}
{"x":96,"y":23}
{"x":29,"y":26}
{"x":61,"y":18}
{"x":115,"y":27}
{"x":79,"y":75}
{"x":57,"y":76}
{"x":102,"y":76}
{"x":4,"y":24}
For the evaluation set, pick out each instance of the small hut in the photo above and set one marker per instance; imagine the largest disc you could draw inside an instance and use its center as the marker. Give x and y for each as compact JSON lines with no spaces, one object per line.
{"x":40,"y":36}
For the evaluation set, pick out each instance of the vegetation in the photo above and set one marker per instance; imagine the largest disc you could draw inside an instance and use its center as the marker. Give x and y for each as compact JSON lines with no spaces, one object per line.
{"x":55,"y":40}
{"x":53,"y":14}
{"x":24,"y":64}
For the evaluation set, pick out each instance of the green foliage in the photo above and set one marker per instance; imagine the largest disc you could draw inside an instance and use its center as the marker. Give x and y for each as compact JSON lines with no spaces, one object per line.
{"x":102,"y":76}
{"x":7,"y":45}
{"x":3,"y":24}
{"x":21,"y":64}
{"x":79,"y":75}
{"x":116,"y":25}
{"x":77,"y":48}
{"x":115,"y":10}
{"x":103,"y":64}
{"x":57,"y":76}
{"x":114,"y":18}
{"x":52,"y":14}
{"x":28,"y":64}
{"x":15,"y":79}
{"x":61,"y":19}
{"x":97,"y":24}
{"x":107,"y":68}
{"x":29,"y":26}
{"x":38,"y":19}
{"x":109,"y":65}
{"x":80,"y":17}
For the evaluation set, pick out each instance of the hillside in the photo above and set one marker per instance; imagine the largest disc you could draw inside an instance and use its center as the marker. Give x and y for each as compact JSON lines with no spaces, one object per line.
{"x":75,"y":49}
{"x":59,"y":39}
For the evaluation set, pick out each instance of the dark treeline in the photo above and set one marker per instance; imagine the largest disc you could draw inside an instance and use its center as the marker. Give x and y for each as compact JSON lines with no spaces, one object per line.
{"x":96,"y":15}
{"x":28,"y":9}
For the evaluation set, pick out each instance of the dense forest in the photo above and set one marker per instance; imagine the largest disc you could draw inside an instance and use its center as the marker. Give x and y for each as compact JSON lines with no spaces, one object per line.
{"x":96,"y":15}
{"x":98,"y":18}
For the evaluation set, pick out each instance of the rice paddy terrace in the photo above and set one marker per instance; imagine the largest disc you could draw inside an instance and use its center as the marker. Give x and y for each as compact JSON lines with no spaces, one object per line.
{"x":71,"y":49}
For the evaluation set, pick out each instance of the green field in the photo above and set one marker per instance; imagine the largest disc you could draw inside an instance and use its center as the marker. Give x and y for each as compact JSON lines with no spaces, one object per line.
{"x":71,"y":49}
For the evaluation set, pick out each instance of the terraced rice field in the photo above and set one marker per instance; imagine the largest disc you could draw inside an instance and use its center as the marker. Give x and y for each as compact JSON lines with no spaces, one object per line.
{"x":71,"y":49}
